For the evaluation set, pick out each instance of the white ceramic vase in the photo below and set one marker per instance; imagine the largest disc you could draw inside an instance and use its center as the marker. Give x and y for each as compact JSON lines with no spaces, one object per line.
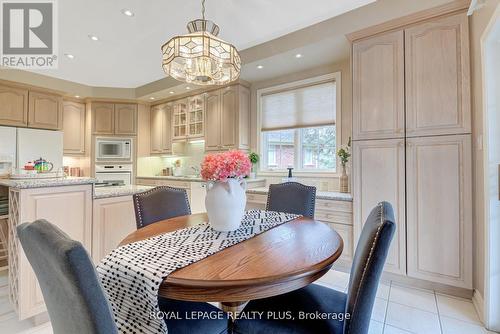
{"x":225,"y":203}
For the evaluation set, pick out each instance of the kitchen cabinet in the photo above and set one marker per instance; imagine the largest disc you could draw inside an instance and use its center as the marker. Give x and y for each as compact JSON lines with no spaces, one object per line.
{"x":103,"y":115}
{"x":380,"y":176}
{"x":196,"y":117}
{"x":179,"y":120}
{"x":437,"y":77}
{"x":378,"y":87}
{"x":45,"y":111}
{"x":67,"y":207}
{"x":440,"y":209}
{"x":125,"y":119}
{"x":227,"y":119}
{"x":13,"y":106}
{"x":161,"y":129}
{"x":114,"y":119}
{"x":113,"y":220}
{"x":74,"y":128}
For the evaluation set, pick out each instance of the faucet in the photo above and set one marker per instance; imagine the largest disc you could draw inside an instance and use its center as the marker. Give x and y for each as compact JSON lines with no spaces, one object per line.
{"x":196,"y":170}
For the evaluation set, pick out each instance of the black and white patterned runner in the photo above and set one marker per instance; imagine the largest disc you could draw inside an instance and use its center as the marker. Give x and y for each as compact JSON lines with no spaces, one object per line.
{"x":131,"y":275}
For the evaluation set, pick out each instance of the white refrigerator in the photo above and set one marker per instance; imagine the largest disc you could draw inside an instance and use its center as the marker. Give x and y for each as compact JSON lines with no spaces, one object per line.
{"x":19,"y":146}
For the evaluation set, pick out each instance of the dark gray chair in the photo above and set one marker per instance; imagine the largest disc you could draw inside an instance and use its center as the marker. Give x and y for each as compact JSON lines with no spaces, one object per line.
{"x":160,"y":203}
{"x":292,"y":197}
{"x":368,"y":262}
{"x":75,"y":300}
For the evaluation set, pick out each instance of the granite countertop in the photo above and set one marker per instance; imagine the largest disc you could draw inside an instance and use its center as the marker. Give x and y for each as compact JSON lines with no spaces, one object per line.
{"x":106,"y":192}
{"x":189,"y":179}
{"x":331,"y":195}
{"x":43,"y":183}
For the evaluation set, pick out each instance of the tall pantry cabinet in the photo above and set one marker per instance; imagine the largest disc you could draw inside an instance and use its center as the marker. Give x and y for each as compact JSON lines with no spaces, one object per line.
{"x":412,"y":145}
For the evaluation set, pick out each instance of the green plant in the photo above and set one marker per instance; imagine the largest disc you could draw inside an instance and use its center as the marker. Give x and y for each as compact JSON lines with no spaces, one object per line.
{"x":344,"y":153}
{"x":254,"y":158}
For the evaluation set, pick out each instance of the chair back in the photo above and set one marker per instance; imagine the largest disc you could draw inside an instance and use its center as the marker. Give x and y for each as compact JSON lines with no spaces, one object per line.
{"x":292,"y":197}
{"x":160,"y":203}
{"x":368,"y":263}
{"x":73,"y":294}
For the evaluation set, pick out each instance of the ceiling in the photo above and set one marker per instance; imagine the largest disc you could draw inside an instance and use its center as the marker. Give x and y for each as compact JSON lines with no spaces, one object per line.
{"x":128,"y":55}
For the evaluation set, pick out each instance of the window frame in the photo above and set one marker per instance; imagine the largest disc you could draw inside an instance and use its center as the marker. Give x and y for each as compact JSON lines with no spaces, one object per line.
{"x":337,"y":78}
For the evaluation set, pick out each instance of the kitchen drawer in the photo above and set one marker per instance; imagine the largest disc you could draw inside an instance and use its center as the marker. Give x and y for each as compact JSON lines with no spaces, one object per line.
{"x":333,"y":205}
{"x":173,"y":184}
{"x":339,"y":217}
{"x":145,"y":182}
{"x":345,"y":233}
{"x":257,"y":198}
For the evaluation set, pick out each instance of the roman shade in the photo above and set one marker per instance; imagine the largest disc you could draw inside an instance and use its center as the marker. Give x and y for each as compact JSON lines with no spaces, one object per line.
{"x":300,"y":107}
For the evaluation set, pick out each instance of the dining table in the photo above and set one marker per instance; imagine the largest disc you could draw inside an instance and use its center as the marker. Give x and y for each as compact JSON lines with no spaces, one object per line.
{"x":285,"y":258}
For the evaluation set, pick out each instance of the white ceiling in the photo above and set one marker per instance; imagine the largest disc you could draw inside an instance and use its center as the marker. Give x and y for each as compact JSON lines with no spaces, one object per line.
{"x":128,"y":52}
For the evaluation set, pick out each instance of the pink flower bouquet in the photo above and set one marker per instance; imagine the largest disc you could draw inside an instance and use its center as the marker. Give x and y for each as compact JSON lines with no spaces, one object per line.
{"x":227,"y":165}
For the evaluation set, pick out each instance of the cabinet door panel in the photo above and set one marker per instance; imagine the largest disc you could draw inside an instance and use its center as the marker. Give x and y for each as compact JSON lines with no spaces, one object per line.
{"x":166,"y":134}
{"x":439,"y":209}
{"x":378,"y":87}
{"x":13,"y":106}
{"x":125,"y":119}
{"x":45,"y":111}
{"x":156,"y":129}
{"x":229,"y":108}
{"x":379,"y":175}
{"x":212,"y":121}
{"x":104,"y":118}
{"x":437,"y":77}
{"x":74,"y":127}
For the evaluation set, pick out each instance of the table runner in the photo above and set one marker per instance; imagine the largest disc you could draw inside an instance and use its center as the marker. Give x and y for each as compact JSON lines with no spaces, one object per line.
{"x":132,"y":274}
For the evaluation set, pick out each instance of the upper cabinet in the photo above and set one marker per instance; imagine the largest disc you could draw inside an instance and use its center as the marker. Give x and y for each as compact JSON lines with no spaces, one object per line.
{"x":114,"y":119}
{"x":13,"y":106}
{"x":161,"y":125}
{"x":378,"y":89}
{"x":179,"y":120}
{"x":74,"y":127}
{"x":227,"y":119}
{"x":45,"y":111}
{"x":196,"y":107}
{"x":437,"y":77}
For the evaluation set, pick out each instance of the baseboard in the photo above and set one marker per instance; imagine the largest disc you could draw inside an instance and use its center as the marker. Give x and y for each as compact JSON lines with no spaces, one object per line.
{"x":478,"y":301}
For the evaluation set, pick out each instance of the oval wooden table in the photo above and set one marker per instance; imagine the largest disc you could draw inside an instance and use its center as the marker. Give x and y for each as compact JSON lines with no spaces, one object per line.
{"x":285,"y":258}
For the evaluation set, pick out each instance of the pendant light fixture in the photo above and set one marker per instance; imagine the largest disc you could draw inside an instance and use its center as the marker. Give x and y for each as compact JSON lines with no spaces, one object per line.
{"x":200,"y":57}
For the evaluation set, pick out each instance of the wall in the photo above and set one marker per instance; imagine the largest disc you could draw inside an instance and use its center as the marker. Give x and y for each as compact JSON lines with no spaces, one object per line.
{"x":332,"y":182}
{"x":478,"y":23}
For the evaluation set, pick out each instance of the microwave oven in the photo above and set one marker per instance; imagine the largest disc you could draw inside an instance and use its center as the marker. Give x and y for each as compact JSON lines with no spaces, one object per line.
{"x":113,"y":149}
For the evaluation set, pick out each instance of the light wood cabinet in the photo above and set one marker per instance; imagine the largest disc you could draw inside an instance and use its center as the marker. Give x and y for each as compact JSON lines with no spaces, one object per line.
{"x":439,"y":209}
{"x":378,"y":87}
{"x":113,"y":220}
{"x":125,"y":119}
{"x":114,"y":118}
{"x":74,"y":128}
{"x":437,"y":77}
{"x":103,"y":122}
{"x":161,"y":129}
{"x":45,"y":111}
{"x":379,"y":175}
{"x":179,"y":120}
{"x":13,"y":106}
{"x":227,"y":119}
{"x":196,"y":105}
{"x":70,"y":209}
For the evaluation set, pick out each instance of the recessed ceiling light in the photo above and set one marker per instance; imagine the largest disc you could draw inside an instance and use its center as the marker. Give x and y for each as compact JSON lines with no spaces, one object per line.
{"x":69,"y":55}
{"x":94,"y":37}
{"x":298,"y":55}
{"x":127,"y":12}
{"x":188,"y":87}
{"x":151,"y":98}
{"x":260,"y":66}
{"x":77,"y":96}
{"x":171,"y":92}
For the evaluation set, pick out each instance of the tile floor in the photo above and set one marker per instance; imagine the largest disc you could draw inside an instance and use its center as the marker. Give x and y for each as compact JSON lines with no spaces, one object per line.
{"x":397,"y":310}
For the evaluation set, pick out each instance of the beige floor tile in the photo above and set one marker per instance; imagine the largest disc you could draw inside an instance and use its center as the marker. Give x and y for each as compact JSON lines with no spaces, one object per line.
{"x":376,"y":327}
{"x":379,"y":309}
{"x":461,"y":309}
{"x":388,"y":329}
{"x":454,"y":326}
{"x":412,"y":319}
{"x":383,"y":290}
{"x":421,"y":299}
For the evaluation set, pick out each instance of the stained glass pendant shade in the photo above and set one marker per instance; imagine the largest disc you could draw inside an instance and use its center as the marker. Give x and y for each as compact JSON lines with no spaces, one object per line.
{"x":200,"y":57}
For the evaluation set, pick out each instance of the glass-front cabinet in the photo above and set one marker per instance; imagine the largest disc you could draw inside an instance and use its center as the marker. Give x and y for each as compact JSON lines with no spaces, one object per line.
{"x":179,"y":120}
{"x":195,"y":117}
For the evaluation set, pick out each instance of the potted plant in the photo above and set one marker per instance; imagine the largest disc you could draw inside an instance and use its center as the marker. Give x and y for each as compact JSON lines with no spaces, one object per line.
{"x":226,"y":198}
{"x":344,"y":153}
{"x":254,"y":159}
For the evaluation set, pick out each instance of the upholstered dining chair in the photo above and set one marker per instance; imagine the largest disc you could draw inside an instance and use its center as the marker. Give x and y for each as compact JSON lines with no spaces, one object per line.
{"x":160,"y":203}
{"x":368,"y":262}
{"x":73,"y":294}
{"x":292,"y":197}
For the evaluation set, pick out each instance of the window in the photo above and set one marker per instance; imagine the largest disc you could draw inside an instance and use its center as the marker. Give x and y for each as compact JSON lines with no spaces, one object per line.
{"x":298,"y":125}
